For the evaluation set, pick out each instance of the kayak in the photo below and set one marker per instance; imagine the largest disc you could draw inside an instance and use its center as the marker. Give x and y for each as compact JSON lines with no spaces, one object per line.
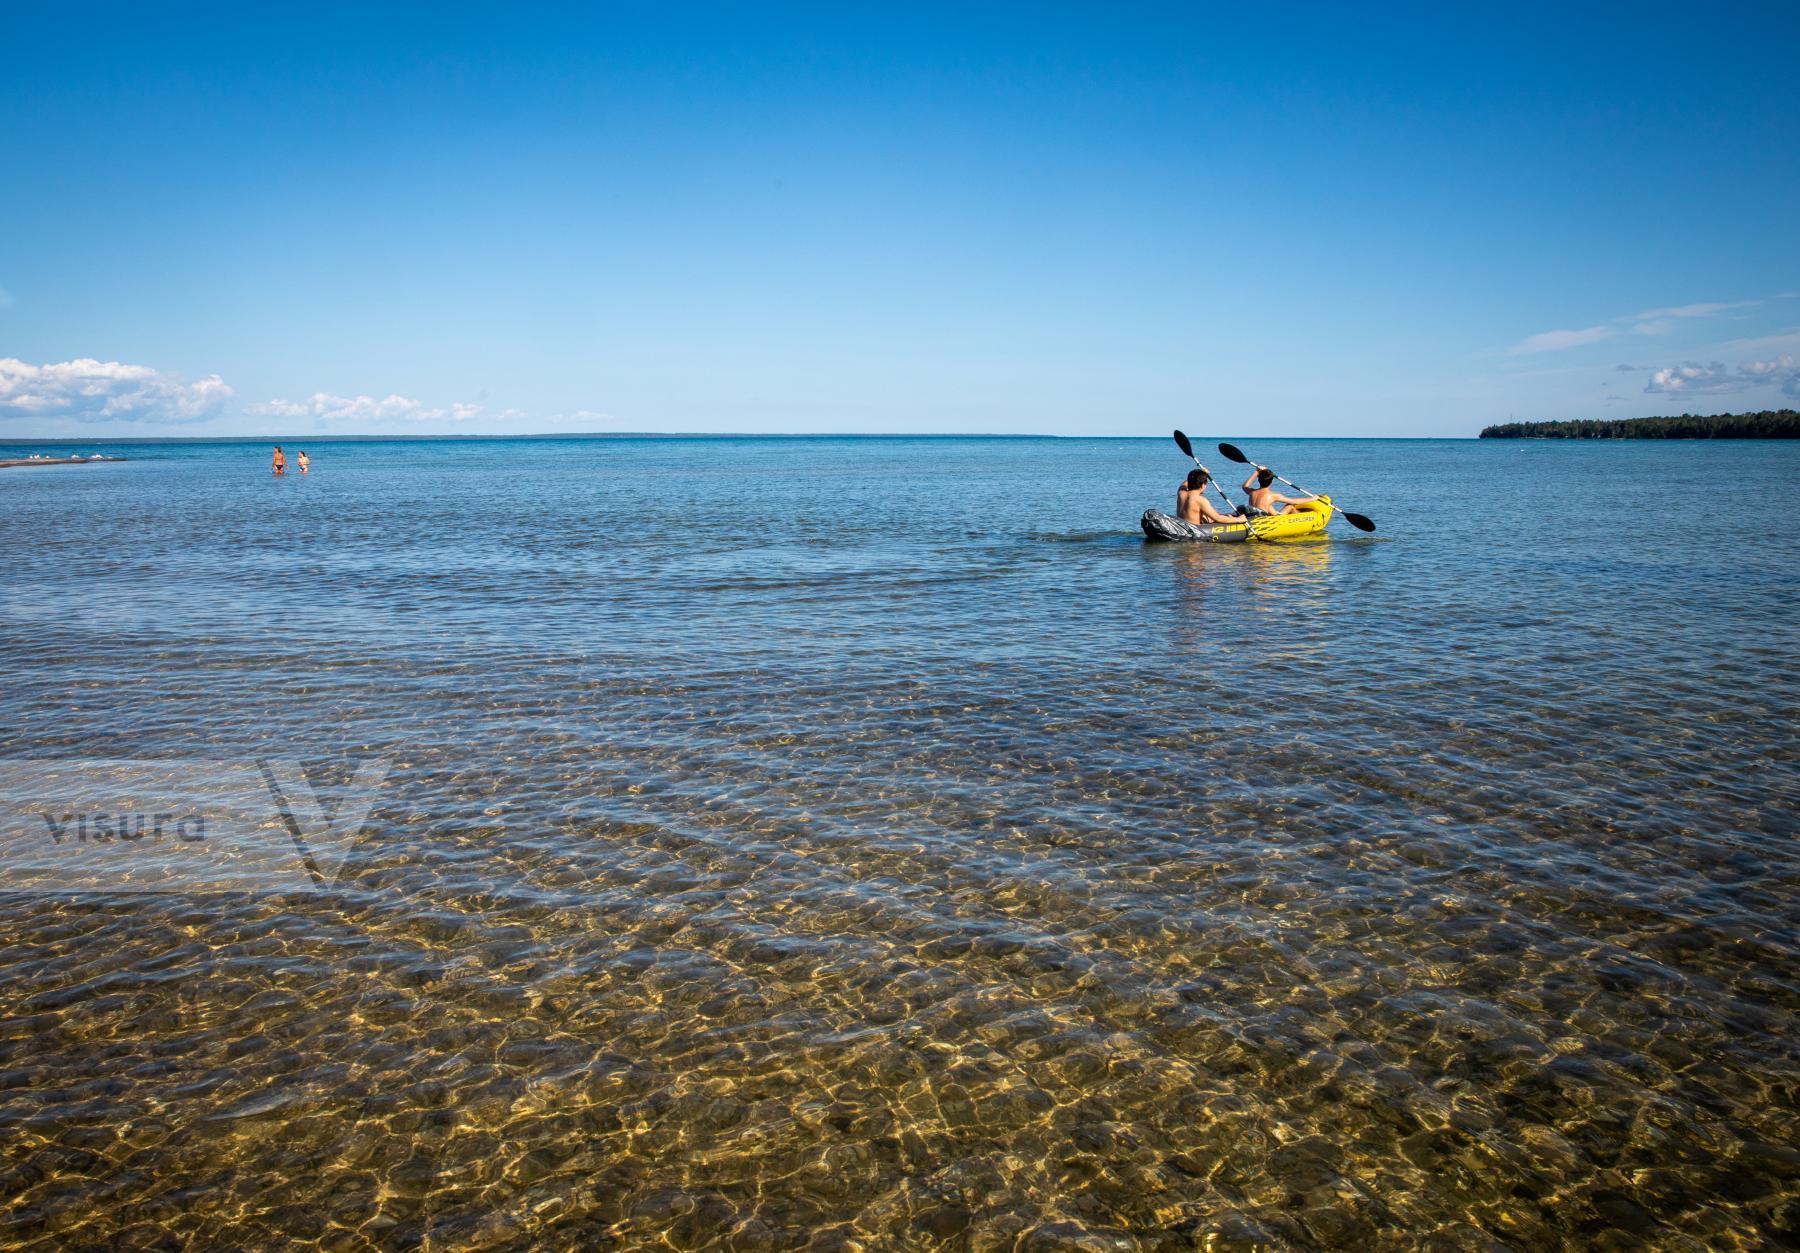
{"x":1310,"y":520}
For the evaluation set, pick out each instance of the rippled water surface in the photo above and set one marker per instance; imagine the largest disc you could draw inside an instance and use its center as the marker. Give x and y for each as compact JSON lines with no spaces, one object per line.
{"x":875,"y":844}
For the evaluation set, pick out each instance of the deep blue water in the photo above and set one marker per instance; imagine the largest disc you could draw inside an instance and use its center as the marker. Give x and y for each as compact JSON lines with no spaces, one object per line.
{"x":827,"y":839}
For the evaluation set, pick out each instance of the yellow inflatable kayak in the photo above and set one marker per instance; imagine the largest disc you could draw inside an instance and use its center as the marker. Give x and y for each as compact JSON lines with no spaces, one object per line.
{"x":1309,"y":520}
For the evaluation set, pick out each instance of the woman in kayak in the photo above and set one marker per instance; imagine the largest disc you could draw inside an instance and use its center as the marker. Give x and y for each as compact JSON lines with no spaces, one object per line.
{"x":1192,"y":506}
{"x":1264,"y":501}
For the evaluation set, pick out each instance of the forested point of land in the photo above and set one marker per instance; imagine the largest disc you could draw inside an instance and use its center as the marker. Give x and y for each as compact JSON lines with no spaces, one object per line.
{"x":1769,"y":424}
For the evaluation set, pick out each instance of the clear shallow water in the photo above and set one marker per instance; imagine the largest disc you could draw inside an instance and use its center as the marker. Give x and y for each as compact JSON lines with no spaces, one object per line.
{"x":873,"y":842}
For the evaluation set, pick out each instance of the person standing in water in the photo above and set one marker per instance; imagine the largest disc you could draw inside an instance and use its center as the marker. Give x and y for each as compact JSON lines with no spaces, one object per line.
{"x":1192,"y":506}
{"x":303,"y":460}
{"x":278,"y":463}
{"x":1265,"y":501}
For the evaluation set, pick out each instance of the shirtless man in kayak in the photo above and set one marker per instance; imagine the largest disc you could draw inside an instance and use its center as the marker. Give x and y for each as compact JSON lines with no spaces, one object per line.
{"x":1192,"y":506}
{"x":1256,"y":487}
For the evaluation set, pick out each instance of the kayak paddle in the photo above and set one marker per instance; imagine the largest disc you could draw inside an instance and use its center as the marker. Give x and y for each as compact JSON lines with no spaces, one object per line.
{"x":1231,"y":453}
{"x":1181,"y":442}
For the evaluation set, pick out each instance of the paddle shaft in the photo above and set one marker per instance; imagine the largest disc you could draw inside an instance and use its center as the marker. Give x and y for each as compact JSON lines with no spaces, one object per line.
{"x":1355,"y":520}
{"x":1231,"y":452}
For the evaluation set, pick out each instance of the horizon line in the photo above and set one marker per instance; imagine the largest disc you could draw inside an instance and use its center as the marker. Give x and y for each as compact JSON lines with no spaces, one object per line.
{"x":344,"y":438}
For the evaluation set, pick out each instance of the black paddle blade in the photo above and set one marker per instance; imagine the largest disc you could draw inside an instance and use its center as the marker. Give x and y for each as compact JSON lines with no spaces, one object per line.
{"x":1358,"y":521}
{"x":1230,"y":453}
{"x":1181,"y":442}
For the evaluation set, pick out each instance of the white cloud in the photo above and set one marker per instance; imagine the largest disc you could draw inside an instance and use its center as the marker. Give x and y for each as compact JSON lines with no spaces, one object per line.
{"x":326,"y":407}
{"x":1693,"y":378}
{"x":1649,"y":322}
{"x":1764,"y":345}
{"x":106,"y":391}
{"x":1556,"y":341}
{"x":1781,"y":370}
{"x":1694,"y":311}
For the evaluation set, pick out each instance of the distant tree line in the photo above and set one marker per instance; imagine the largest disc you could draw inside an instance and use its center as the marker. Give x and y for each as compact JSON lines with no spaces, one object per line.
{"x":1769,"y":424}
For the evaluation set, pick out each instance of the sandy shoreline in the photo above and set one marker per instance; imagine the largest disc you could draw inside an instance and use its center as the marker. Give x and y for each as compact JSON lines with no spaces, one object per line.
{"x":55,"y":461}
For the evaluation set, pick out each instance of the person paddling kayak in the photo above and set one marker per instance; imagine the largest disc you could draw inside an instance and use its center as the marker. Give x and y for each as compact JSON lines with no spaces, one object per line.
{"x":1192,"y":506}
{"x":1265,"y":501}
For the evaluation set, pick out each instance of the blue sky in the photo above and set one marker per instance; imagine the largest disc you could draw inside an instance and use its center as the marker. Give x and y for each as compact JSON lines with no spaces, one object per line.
{"x":1104,"y":219}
